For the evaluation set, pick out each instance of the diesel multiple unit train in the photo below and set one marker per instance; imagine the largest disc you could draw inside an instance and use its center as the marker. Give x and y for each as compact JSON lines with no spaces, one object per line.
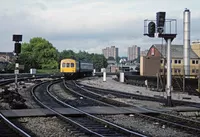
{"x":73,"y":68}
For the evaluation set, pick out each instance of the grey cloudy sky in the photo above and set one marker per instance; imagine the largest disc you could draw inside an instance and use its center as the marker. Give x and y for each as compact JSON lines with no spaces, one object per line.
{"x":90,"y":25}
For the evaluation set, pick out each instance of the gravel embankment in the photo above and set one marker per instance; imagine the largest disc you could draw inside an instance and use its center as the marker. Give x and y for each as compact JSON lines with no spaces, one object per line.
{"x":39,"y":126}
{"x":153,"y":128}
{"x":57,"y":90}
{"x":24,"y":89}
{"x":114,"y":85}
{"x":25,"y":92}
{"x":52,"y":126}
{"x":46,"y":126}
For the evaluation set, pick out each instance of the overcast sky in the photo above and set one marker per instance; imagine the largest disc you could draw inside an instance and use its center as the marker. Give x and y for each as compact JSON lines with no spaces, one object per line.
{"x":91,"y":25}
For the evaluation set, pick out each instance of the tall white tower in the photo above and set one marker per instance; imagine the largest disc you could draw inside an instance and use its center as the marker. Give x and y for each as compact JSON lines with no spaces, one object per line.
{"x":186,"y":40}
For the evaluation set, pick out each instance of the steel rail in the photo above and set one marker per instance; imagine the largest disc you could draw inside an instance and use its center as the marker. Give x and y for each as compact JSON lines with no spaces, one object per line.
{"x":154,"y":111}
{"x":14,"y":127}
{"x":97,"y":118}
{"x":60,"y":115}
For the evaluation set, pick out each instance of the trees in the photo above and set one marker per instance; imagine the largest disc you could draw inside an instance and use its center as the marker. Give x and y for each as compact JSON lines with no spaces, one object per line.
{"x":99,"y":61}
{"x":39,"y":53}
{"x":67,"y":54}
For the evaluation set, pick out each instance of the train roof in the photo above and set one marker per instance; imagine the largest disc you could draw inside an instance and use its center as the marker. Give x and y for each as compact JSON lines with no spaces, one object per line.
{"x":68,"y":59}
{"x":81,"y":61}
{"x":86,"y":62}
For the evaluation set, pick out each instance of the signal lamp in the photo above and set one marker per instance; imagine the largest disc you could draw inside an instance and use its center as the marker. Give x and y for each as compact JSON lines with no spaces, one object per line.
{"x":160,"y":19}
{"x":151,"y":28}
{"x":17,"y":48}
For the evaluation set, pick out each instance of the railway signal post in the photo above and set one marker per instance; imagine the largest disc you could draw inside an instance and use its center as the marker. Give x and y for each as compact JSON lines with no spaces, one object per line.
{"x":158,"y":28}
{"x":17,"y":51}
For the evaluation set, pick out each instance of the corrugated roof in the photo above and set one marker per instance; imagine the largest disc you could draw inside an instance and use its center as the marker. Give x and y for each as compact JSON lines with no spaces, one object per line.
{"x":7,"y":53}
{"x":176,"y":51}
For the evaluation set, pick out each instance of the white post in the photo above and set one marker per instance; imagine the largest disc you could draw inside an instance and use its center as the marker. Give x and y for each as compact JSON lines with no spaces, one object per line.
{"x":146,"y":83}
{"x":16,"y":72}
{"x":122,"y":77}
{"x":16,"y":86}
{"x":169,"y":76}
{"x":104,"y":76}
{"x":94,"y":71}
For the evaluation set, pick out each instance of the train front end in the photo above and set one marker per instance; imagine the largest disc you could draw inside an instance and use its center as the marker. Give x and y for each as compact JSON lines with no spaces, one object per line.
{"x":69,"y":68}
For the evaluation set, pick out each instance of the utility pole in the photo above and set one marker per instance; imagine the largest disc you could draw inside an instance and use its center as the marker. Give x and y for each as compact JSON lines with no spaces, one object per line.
{"x":17,"y":51}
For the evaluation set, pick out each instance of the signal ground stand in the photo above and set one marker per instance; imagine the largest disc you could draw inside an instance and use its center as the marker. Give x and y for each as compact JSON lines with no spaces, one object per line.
{"x":168,"y":33}
{"x":168,"y":38}
{"x":17,"y":50}
{"x":16,"y":73}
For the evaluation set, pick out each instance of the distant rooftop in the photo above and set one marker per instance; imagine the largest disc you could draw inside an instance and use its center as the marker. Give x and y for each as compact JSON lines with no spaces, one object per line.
{"x":176,"y":51}
{"x":7,"y":53}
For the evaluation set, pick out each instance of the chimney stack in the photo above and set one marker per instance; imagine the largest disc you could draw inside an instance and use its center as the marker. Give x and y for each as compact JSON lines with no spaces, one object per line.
{"x":186,"y":41}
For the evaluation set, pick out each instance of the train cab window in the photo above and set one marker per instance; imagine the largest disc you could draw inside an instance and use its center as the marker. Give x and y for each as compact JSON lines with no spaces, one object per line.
{"x":68,"y":65}
{"x":72,"y":65}
{"x":63,"y":65}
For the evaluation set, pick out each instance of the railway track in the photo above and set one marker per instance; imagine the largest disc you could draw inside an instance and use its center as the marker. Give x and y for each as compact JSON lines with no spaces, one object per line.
{"x":191,"y":126}
{"x":138,"y":97}
{"x":8,"y":129}
{"x":94,"y":97}
{"x":76,"y":99}
{"x":87,"y":124}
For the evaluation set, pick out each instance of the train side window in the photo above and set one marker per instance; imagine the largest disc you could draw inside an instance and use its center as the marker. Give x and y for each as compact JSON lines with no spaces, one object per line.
{"x":72,"y":65}
{"x":63,"y":65}
{"x":68,"y":65}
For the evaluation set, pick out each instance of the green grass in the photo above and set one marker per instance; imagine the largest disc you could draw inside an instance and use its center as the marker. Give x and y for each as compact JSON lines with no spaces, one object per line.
{"x":47,"y":71}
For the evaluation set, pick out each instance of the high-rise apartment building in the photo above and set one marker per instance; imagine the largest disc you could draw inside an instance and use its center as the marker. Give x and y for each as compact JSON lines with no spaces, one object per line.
{"x":133,"y":52}
{"x":110,"y":52}
{"x":143,"y":53}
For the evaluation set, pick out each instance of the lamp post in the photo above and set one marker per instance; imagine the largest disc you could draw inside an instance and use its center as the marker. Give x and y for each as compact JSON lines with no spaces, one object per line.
{"x":17,"y":51}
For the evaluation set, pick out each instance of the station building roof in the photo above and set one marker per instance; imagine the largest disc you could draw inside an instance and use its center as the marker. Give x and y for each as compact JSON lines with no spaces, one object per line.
{"x":177,"y":51}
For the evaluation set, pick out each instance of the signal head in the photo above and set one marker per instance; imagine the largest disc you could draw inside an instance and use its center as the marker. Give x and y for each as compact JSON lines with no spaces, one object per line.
{"x":160,"y":19}
{"x":17,"y":48}
{"x":151,"y":29}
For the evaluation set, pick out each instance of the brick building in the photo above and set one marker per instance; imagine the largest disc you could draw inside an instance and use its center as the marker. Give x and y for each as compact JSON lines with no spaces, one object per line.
{"x":155,"y":61}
